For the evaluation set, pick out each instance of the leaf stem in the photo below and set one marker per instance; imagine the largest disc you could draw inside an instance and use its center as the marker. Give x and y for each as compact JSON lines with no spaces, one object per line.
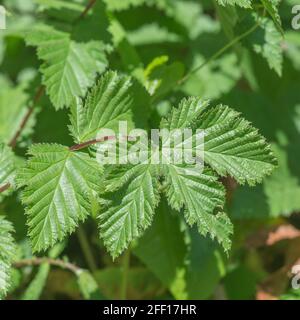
{"x":125,"y":274}
{"x":54,"y":262}
{"x":221,"y":51}
{"x":86,"y":249}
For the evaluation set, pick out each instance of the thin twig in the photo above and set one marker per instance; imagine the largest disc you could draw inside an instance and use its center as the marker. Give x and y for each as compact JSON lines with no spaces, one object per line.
{"x":221,"y":51}
{"x":40,"y":91}
{"x":87,"y":9}
{"x":83,"y":145}
{"x":54,"y":262}
{"x":30,"y":110}
{"x":5,"y":187}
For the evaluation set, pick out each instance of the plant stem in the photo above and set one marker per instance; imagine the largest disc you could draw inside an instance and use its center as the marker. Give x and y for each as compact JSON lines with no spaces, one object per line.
{"x":54,"y":262}
{"x":5,"y":187}
{"x":83,"y":145}
{"x":220,"y":52}
{"x":86,"y":249}
{"x":125,"y":274}
{"x":37,"y":97}
{"x":88,"y":7}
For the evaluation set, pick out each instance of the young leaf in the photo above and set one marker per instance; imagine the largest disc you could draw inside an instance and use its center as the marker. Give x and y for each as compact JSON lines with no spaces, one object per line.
{"x":69,"y":67}
{"x":7,"y":252}
{"x":59,"y":184}
{"x":107,"y":103}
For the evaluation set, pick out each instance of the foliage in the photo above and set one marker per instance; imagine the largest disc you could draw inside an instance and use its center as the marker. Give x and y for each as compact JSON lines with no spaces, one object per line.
{"x":227,"y":68}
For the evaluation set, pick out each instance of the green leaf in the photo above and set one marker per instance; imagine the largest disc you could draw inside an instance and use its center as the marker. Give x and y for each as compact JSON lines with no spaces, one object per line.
{"x":59,"y":4}
{"x":34,"y":290}
{"x":161,"y":78}
{"x":12,"y":112}
{"x":278,"y":196}
{"x":215,"y":79}
{"x":186,"y":115}
{"x":88,"y":286}
{"x":116,"y":5}
{"x":233,"y":147}
{"x":228,"y":17}
{"x":271,"y":7}
{"x":200,"y":194}
{"x":7,"y":253}
{"x":37,"y":285}
{"x":69,"y":67}
{"x":241,"y":3}
{"x":267,"y":42}
{"x":108,"y":102}
{"x":7,"y":165}
{"x":125,"y":221}
{"x":59,"y":184}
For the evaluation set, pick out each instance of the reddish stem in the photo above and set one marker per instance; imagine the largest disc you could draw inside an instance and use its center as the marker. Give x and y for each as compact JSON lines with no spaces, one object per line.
{"x":37,"y":97}
{"x":90,"y":142}
{"x":5,"y":187}
{"x":87,"y":9}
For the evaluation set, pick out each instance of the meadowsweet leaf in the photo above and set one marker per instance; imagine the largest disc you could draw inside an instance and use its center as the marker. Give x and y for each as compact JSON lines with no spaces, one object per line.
{"x":108,"y":102}
{"x":7,"y":253}
{"x":59,"y":185}
{"x":125,"y":221}
{"x":69,"y":67}
{"x":233,"y":147}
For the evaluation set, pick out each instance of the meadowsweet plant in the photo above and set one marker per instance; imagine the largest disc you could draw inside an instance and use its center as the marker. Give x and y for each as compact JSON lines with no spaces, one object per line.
{"x":132,"y":136}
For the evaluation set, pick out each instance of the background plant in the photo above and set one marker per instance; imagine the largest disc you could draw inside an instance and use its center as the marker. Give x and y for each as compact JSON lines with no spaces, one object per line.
{"x":70,"y":68}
